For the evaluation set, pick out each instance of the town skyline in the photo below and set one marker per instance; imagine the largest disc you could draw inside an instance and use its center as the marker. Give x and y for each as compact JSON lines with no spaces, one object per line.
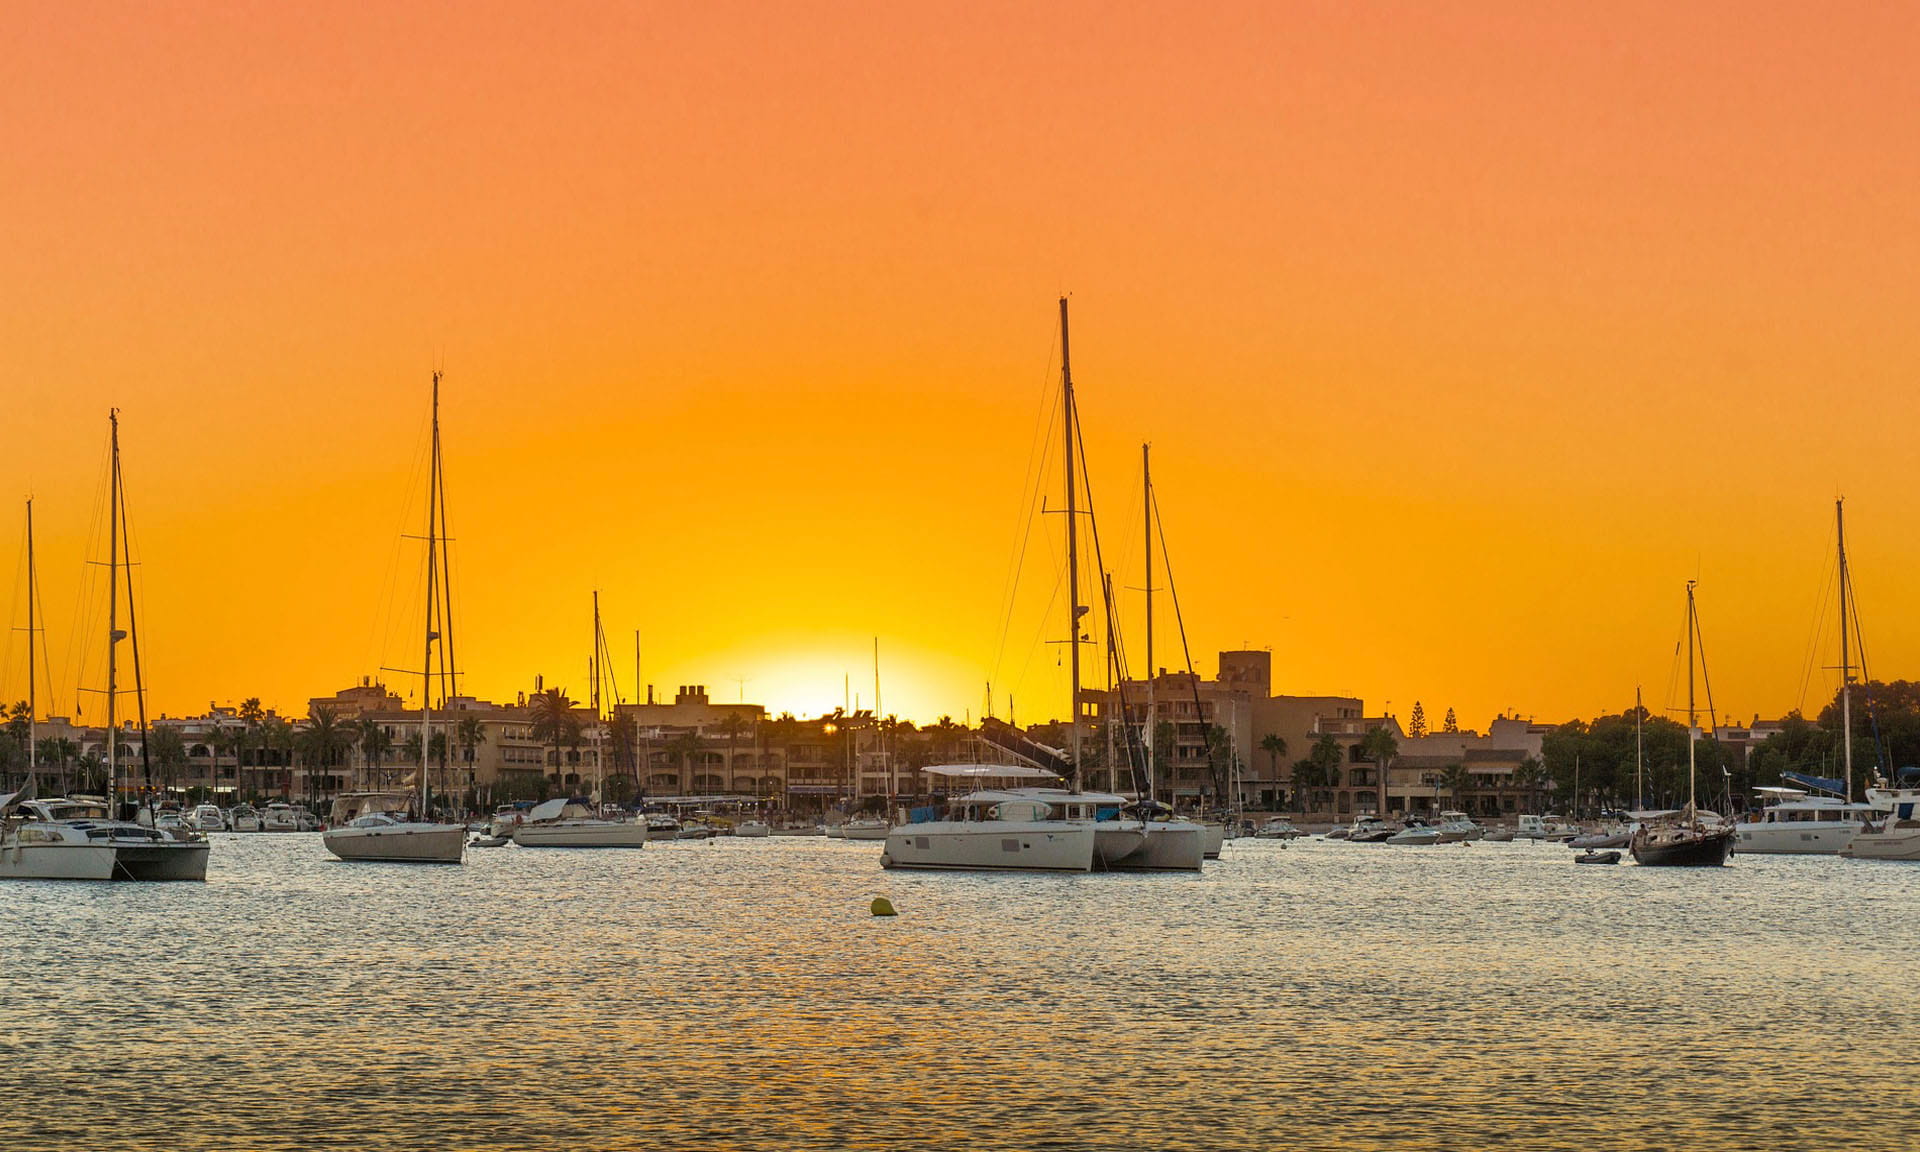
{"x":1463,"y":341}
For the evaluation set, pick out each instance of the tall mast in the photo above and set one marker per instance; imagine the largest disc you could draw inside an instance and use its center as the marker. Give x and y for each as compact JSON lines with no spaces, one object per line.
{"x":33,"y":698}
{"x":599,"y":757}
{"x":1692,"y":714}
{"x":1639,"y":713}
{"x":1846,"y":666}
{"x":1146,"y":511}
{"x":433,"y":558}
{"x":1073,"y":536}
{"x":113,"y":611}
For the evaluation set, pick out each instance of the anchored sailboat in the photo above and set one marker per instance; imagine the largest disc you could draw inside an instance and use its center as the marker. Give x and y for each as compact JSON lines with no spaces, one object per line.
{"x":1684,"y":838}
{"x":59,"y":839}
{"x":395,"y":826}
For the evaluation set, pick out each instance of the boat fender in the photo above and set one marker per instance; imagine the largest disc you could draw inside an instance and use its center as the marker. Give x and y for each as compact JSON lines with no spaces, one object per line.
{"x":881,"y":906}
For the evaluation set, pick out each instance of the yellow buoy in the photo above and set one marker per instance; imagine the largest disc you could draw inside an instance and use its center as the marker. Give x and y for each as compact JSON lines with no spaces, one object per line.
{"x":882,"y":906}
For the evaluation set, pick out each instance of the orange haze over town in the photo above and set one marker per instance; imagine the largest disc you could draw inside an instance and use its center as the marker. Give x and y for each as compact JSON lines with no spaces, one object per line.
{"x":1464,"y":336}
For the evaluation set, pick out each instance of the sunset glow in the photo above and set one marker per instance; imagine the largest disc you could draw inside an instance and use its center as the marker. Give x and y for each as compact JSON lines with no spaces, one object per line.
{"x":1462,"y":340}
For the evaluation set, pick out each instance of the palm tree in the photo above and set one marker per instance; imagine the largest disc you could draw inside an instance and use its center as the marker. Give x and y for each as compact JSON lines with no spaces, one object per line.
{"x":168,"y":752}
{"x":1456,"y":780}
{"x":374,"y":743}
{"x":554,"y":723}
{"x":1530,"y":777}
{"x":222,"y":740}
{"x":733,"y":726}
{"x":1275,"y":746}
{"x":254,"y":715}
{"x":684,"y":747}
{"x":1326,"y":758}
{"x":324,"y":741}
{"x":470,"y":733}
{"x":1380,"y":747}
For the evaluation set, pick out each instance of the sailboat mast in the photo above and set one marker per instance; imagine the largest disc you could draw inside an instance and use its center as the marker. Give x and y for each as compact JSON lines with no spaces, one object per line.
{"x":1692,"y":714}
{"x":1846,"y":666}
{"x":433,"y":558}
{"x":113,"y":611}
{"x":1639,"y":757}
{"x":1146,"y":515}
{"x":599,"y":758}
{"x":33,"y":697}
{"x":1073,"y":536}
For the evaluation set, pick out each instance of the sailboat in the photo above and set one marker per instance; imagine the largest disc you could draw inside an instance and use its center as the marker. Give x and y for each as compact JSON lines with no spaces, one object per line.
{"x":1682,"y":838}
{"x":394,"y":826}
{"x":61,"y":839}
{"x":567,"y":822}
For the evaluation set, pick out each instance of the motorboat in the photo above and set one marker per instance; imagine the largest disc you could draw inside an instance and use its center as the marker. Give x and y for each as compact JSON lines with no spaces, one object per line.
{"x":1368,"y":829}
{"x":245,"y":818}
{"x":279,"y":816}
{"x":694,"y":830}
{"x":865,"y":829}
{"x":1593,"y":857}
{"x":662,"y":826}
{"x":1896,"y":835}
{"x":1000,"y":830}
{"x":1416,"y":832}
{"x":1499,"y":835}
{"x":753,"y":829}
{"x":1548,"y":827}
{"x":377,"y":826}
{"x":69,"y":839}
{"x":1607,"y":836}
{"x":207,"y":818}
{"x":1457,"y":826}
{"x":572,"y":823}
{"x":485,"y":840}
{"x":1796,"y":822}
{"x":1278,"y":828}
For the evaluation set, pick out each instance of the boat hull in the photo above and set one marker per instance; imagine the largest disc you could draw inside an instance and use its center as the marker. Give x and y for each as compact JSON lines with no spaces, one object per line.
{"x":1682,"y":848}
{"x":1171,"y":847}
{"x":581,"y":834}
{"x":1116,"y":843}
{"x":1006,"y":845}
{"x":1899,"y":842}
{"x":1795,"y":837}
{"x":180,"y":860}
{"x":399,"y":843}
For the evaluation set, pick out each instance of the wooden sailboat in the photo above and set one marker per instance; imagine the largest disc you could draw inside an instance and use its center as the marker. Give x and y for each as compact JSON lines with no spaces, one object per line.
{"x":1683,"y":838}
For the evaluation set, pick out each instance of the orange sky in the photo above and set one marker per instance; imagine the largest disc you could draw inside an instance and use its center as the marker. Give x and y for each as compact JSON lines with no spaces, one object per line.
{"x":1463,"y":337}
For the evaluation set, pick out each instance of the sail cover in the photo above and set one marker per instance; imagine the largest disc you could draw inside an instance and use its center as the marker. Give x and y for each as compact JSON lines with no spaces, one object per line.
{"x":1831,"y":784}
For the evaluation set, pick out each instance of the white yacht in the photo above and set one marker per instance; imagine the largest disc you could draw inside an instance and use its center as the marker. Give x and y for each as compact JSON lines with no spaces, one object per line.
{"x":866,"y":828}
{"x":1416,"y":832}
{"x":1278,"y":828}
{"x":374,"y":826}
{"x":61,"y":839}
{"x":279,"y":817}
{"x":1796,"y":822}
{"x":207,"y":818}
{"x":563,"y":823}
{"x":999,"y":830}
{"x":662,"y":826}
{"x":752,"y":828}
{"x":1457,"y":826}
{"x":245,"y":818}
{"x":1896,"y":835}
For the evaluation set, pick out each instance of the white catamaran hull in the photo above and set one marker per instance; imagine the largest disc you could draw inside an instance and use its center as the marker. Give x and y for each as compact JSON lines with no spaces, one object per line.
{"x":55,"y":861}
{"x":401,"y":843}
{"x":1172,"y":846}
{"x":1811,"y":837}
{"x":1036,"y":846}
{"x":582,"y":834}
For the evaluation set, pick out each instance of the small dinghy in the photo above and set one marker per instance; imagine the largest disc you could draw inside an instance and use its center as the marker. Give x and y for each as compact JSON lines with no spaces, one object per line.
{"x":1592,"y":857}
{"x":503,"y":841}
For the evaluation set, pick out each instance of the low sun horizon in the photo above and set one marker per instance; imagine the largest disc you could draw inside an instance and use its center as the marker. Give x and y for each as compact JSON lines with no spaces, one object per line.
{"x":1463,"y":341}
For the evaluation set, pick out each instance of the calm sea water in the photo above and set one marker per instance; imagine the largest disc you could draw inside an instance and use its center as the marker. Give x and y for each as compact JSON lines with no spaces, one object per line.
{"x":739,"y":994}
